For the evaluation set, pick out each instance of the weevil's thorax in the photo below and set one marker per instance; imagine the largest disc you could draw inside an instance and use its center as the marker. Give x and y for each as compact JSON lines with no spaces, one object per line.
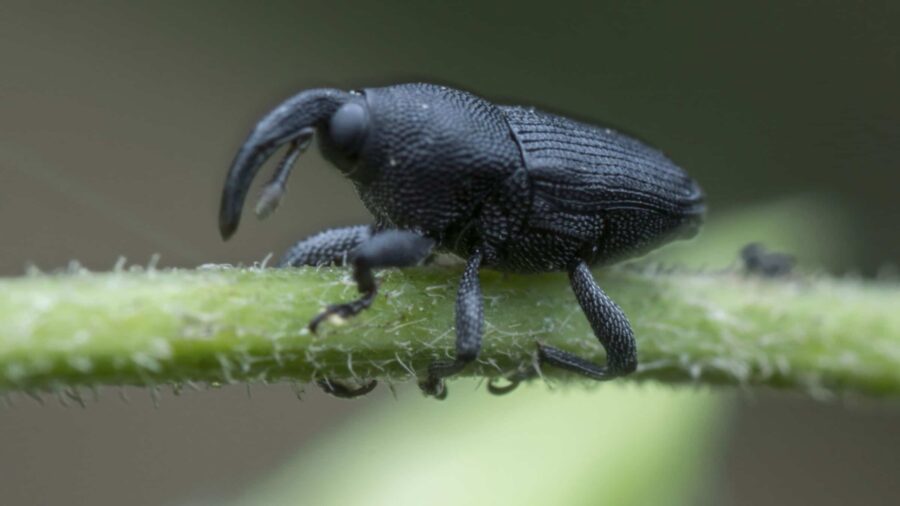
{"x":431,"y":156}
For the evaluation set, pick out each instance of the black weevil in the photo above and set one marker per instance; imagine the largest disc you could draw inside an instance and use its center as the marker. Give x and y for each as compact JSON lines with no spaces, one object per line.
{"x":504,"y":187}
{"x":768,"y":264}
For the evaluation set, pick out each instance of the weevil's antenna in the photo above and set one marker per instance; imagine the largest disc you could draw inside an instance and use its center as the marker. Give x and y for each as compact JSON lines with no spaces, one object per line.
{"x":271,"y":194}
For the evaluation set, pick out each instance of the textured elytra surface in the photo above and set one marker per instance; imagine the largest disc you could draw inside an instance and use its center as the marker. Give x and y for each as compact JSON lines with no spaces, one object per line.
{"x":594,"y":186}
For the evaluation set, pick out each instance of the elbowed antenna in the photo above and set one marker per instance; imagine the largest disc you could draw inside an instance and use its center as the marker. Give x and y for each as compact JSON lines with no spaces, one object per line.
{"x":293,"y":121}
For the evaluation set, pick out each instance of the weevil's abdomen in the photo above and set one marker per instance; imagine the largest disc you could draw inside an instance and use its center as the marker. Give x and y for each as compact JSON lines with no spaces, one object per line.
{"x":602,"y":187}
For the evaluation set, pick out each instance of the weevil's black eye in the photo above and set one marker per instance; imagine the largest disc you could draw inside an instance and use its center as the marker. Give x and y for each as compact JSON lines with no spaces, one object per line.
{"x":349,"y":126}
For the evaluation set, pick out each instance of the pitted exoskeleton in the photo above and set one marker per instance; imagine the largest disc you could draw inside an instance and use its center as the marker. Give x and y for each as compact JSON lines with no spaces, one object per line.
{"x":503,"y":187}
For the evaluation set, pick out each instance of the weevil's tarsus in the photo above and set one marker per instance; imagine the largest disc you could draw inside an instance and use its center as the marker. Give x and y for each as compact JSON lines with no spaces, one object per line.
{"x":344,"y":310}
{"x":571,"y":362}
{"x":342,"y":391}
{"x":274,"y":190}
{"x":496,"y":389}
{"x":513,"y":381}
{"x":434,"y":386}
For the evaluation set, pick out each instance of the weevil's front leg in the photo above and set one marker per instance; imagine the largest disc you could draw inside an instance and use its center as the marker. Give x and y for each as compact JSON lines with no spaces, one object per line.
{"x":391,"y":248}
{"x":329,"y":247}
{"x":332,"y":247}
{"x":469,"y":327}
{"x":610,"y":326}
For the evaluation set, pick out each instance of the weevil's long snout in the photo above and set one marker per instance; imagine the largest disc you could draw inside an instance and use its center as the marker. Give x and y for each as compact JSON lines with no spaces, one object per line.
{"x":294,"y":121}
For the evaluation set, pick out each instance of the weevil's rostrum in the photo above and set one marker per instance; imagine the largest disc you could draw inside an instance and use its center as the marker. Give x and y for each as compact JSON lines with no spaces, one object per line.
{"x":504,"y":187}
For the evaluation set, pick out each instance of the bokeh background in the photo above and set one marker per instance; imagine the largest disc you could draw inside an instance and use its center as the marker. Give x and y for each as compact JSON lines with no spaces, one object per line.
{"x":119,"y":120}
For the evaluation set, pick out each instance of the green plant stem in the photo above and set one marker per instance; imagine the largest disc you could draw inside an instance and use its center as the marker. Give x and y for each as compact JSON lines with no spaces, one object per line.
{"x":221,"y":325}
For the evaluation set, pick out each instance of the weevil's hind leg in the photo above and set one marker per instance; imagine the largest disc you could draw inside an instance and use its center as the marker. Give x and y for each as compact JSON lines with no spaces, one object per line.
{"x":469,"y":327}
{"x":391,"y":248}
{"x":342,"y":391}
{"x":329,"y":247}
{"x":610,"y":325}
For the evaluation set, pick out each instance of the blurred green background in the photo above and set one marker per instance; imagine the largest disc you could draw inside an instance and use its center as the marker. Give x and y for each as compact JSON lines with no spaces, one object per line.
{"x":118,"y":121}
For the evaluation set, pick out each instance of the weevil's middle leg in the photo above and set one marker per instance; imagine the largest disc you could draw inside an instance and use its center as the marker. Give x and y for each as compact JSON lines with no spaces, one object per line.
{"x":469,"y":327}
{"x":610,"y":325}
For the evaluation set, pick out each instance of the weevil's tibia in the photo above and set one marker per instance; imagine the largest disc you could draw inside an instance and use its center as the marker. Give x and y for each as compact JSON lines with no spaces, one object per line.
{"x":610,"y":325}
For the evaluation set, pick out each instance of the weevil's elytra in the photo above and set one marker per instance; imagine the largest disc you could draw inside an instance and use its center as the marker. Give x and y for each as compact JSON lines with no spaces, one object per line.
{"x":504,"y":187}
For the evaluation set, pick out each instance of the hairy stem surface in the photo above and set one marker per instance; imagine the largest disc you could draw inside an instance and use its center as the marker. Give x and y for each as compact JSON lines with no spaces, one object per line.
{"x":221,"y":325}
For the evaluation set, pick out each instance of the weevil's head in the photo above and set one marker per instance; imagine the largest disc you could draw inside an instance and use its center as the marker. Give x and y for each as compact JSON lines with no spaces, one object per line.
{"x":420,"y":141}
{"x":340,"y":116}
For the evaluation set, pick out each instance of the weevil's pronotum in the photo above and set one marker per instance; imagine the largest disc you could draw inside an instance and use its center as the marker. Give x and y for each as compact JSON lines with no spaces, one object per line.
{"x":504,"y":187}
